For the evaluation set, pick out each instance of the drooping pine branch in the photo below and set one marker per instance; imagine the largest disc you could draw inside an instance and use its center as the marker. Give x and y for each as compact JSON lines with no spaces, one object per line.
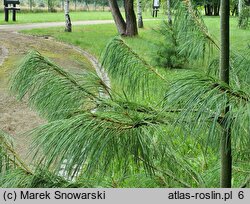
{"x":52,"y":91}
{"x":9,"y":159}
{"x":199,"y":23}
{"x":127,"y":69}
{"x":202,"y":100}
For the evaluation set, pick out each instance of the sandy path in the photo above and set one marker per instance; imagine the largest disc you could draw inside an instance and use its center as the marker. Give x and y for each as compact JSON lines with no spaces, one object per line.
{"x":17,"y":27}
{"x":3,"y":54}
{"x":29,"y":26}
{"x":16,"y":117}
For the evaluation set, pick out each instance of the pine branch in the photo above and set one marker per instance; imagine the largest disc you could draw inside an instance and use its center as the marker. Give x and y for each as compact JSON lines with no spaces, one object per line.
{"x":237,"y":94}
{"x":244,"y":185}
{"x":128,"y":70}
{"x":7,"y":150}
{"x":199,"y":23}
{"x":202,"y":100}
{"x":169,"y":174}
{"x":52,"y":91}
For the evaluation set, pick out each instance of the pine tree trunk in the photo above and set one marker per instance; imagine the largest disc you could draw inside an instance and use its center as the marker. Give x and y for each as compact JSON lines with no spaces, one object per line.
{"x":139,"y":12}
{"x":119,"y":21}
{"x":131,"y":25}
{"x":169,"y":12}
{"x":68,"y":27}
{"x":226,"y":155}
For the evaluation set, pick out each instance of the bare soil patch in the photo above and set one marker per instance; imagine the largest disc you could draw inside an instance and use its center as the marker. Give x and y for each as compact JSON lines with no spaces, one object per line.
{"x":16,"y":117}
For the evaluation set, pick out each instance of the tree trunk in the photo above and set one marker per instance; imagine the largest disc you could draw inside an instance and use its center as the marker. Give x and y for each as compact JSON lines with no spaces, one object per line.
{"x":216,"y":9}
{"x":119,"y":21}
{"x":131,"y":26}
{"x":31,"y":2}
{"x":87,"y":5}
{"x":208,"y":10}
{"x":68,"y":27}
{"x":226,"y":155}
{"x":139,"y":12}
{"x":103,"y":5}
{"x":50,"y":5}
{"x":169,"y":12}
{"x":95,"y":5}
{"x":240,"y":5}
{"x":62,"y":4}
{"x":235,"y":11}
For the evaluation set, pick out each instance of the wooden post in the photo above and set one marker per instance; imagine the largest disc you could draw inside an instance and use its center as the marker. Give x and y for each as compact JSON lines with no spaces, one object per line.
{"x":14,"y":13}
{"x":6,"y":13}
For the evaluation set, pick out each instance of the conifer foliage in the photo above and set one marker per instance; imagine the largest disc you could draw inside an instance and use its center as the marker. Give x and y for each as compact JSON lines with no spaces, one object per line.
{"x":138,"y":125}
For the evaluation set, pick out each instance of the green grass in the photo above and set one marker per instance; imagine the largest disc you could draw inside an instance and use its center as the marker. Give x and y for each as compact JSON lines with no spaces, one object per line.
{"x":240,"y":39}
{"x":93,"y":38}
{"x":59,"y":16}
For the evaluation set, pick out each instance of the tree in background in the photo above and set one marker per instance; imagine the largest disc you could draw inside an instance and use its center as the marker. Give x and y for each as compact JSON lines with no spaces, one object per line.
{"x":244,"y":13}
{"x":30,"y":4}
{"x":211,"y":7}
{"x":51,"y":5}
{"x":139,"y":12}
{"x":234,"y":7}
{"x":240,"y":5}
{"x":169,"y":12}
{"x":128,"y":27}
{"x":68,"y":26}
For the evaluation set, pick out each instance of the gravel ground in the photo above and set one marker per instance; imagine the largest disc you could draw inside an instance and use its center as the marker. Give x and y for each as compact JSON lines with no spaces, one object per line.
{"x":16,"y":117}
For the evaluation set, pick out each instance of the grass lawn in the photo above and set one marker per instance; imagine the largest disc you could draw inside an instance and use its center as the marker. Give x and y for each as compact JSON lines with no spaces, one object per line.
{"x":240,"y":39}
{"x":93,"y":38}
{"x":59,"y":16}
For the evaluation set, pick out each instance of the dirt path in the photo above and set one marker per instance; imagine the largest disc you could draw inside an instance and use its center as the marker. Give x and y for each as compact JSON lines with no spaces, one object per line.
{"x":3,"y":54}
{"x":18,"y":27}
{"x":16,"y":117}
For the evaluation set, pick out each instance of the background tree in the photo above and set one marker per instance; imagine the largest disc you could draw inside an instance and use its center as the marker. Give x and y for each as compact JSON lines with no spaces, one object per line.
{"x":131,"y":25}
{"x":169,"y":12}
{"x":68,"y":26}
{"x":211,"y":7}
{"x":128,"y":27}
{"x":240,"y":5}
{"x":139,"y":13}
{"x":244,"y":14}
{"x":51,"y":6}
{"x":30,"y":4}
{"x":119,"y":21}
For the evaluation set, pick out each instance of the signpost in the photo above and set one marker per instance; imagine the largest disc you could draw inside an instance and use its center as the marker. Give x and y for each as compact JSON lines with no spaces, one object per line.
{"x":13,"y":8}
{"x":156,"y":6}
